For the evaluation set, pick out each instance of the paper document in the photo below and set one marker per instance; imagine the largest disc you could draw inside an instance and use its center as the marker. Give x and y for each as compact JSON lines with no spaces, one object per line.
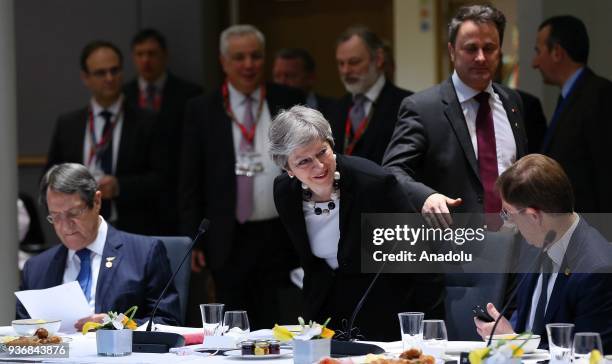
{"x":65,"y":302}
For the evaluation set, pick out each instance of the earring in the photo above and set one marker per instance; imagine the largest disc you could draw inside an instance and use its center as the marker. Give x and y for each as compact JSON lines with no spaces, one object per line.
{"x":334,"y":156}
{"x":290,"y":175}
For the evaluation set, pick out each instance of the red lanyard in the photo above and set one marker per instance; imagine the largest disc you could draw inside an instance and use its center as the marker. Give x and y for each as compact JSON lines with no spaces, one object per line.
{"x":97,"y":147}
{"x":248,"y":135}
{"x":351,"y":140}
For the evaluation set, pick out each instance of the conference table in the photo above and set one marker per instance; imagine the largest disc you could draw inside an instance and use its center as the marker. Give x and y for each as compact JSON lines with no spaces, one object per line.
{"x":83,"y":350}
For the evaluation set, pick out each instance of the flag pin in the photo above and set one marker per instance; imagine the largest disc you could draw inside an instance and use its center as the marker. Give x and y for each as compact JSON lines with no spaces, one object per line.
{"x":109,"y":262}
{"x":567,"y":271}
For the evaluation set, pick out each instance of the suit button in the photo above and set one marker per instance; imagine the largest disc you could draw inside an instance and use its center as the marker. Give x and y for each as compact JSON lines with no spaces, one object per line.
{"x":479,"y":199}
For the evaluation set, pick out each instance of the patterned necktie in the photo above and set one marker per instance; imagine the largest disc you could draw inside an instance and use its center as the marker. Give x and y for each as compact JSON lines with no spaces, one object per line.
{"x":357,"y":113}
{"x":538,"y":320}
{"x":244,"y":184}
{"x":106,"y":157}
{"x":487,"y":153}
{"x":84,"y":277}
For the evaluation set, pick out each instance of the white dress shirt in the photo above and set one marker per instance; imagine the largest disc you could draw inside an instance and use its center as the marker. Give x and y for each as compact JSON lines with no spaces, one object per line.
{"x":323,"y":232}
{"x":372,"y":94}
{"x":504,"y":137}
{"x":73,"y":262}
{"x":556,"y":252}
{"x":263,"y":183}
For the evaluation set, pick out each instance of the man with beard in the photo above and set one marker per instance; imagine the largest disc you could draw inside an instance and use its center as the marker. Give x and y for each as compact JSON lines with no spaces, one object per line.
{"x":365,"y":117}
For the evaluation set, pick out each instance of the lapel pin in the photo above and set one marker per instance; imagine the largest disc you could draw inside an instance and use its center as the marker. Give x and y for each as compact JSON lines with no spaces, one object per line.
{"x":109,"y":262}
{"x":516,"y":125}
{"x":567,"y":271}
{"x":513,"y":110}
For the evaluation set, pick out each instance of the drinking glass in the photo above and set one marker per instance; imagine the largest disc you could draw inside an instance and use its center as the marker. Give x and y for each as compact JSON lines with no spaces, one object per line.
{"x":236,"y":324}
{"x":212,"y":318}
{"x":434,"y":338}
{"x":584,"y":345}
{"x":560,"y":342}
{"x":411,"y":324}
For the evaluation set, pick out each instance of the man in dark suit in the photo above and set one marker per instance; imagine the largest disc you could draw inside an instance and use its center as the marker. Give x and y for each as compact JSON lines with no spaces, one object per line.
{"x":451,"y":141}
{"x":116,"y":270}
{"x":227,"y":176}
{"x":581,"y":127}
{"x":158,"y":90}
{"x":573,"y":281}
{"x":115,"y":141}
{"x":295,"y":67}
{"x":365,"y":117}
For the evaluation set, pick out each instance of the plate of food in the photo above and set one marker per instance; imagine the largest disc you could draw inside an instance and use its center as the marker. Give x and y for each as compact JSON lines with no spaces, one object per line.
{"x":237,"y":354}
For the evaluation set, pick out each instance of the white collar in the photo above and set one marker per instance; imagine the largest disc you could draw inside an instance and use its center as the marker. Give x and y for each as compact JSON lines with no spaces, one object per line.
{"x":374,"y":91}
{"x":556,"y":252}
{"x":96,"y":246}
{"x":114,"y":108}
{"x":465,"y":92}
{"x":159,"y":83}
{"x":236,"y":97}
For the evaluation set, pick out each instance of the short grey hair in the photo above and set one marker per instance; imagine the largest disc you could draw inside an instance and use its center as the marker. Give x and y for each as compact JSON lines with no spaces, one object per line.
{"x":295,"y":128}
{"x":371,"y":40}
{"x":239,"y":30}
{"x":479,"y":14}
{"x":69,"y":178}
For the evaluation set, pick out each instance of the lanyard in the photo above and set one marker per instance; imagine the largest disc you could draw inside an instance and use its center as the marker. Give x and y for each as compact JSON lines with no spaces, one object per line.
{"x":351,"y":140}
{"x":248,"y":135}
{"x":97,"y":147}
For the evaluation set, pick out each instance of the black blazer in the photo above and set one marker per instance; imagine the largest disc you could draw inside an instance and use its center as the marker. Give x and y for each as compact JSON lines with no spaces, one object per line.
{"x":137,"y":276}
{"x":139,"y":169}
{"x":535,"y":121}
{"x":431,"y":150}
{"x":581,"y":142}
{"x":169,"y":126}
{"x":374,"y":141}
{"x":208,"y":179}
{"x":364,"y":187}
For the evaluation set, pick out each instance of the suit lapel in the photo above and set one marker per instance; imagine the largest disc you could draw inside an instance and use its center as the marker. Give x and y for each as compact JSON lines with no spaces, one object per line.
{"x":128,"y":132}
{"x":524,"y":301}
{"x":556,"y":297}
{"x":346,"y":202}
{"x":55,"y":270}
{"x":75,"y":149}
{"x":454,"y":115}
{"x":112,"y":253}
{"x":516,"y":122}
{"x":296,"y":216}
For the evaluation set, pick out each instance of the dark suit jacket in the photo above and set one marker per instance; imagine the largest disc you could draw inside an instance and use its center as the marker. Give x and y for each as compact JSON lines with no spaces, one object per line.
{"x":364,"y":188}
{"x":535,"y":121}
{"x":139,"y":273}
{"x":139,"y":168}
{"x":208,"y":179}
{"x":584,"y":299}
{"x":326,"y":105}
{"x":581,"y":142}
{"x":431,"y":150}
{"x":374,"y":141}
{"x":169,"y":127}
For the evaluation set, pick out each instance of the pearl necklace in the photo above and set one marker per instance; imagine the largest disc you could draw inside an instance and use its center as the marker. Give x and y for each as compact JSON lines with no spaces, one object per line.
{"x":307,"y":196}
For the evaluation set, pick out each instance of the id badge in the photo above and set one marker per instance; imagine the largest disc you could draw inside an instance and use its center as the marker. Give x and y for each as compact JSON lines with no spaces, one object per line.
{"x":249,"y":164}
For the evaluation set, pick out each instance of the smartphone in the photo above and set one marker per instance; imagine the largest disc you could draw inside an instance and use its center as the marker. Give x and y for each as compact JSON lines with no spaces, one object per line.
{"x":482,"y":314}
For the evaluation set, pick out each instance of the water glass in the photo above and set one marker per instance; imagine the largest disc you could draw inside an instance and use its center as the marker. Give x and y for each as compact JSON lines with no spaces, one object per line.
{"x":560,"y":342}
{"x":411,"y":324}
{"x":212,"y":318}
{"x":434,"y":338}
{"x":584,"y":344}
{"x":236,"y":324}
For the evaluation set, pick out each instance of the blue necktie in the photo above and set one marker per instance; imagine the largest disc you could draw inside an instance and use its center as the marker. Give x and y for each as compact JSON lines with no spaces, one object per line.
{"x":84,"y":276}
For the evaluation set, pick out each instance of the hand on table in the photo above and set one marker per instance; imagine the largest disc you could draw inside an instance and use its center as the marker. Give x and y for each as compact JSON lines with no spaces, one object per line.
{"x":484,"y":328}
{"x":435,"y":210}
{"x":96,"y":317}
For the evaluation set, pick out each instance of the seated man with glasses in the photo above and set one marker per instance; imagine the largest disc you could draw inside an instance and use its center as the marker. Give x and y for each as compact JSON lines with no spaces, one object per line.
{"x":573,"y":283}
{"x":116,"y":141}
{"x":116,"y":270}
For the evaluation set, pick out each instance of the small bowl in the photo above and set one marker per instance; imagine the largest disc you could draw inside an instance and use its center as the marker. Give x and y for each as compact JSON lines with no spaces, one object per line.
{"x":27,"y":327}
{"x":530,"y":346}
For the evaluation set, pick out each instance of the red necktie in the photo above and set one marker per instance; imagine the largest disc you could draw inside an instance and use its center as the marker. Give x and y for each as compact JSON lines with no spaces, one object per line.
{"x":487,"y":155}
{"x":244,"y":207}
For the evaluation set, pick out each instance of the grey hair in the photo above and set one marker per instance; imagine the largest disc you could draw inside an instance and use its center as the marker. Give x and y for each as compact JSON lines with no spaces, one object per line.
{"x":296,"y":128}
{"x":372,"y":41}
{"x":478,"y":14}
{"x":239,"y":30}
{"x":69,"y":178}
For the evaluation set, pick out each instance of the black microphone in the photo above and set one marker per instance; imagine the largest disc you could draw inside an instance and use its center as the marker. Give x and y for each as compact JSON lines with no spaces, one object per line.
{"x":160,"y":342}
{"x":548,"y":239}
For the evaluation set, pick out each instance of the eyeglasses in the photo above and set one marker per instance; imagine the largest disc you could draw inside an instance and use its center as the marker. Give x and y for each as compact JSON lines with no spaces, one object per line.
{"x":101,"y":73}
{"x":74,"y":214}
{"x":506,"y":215}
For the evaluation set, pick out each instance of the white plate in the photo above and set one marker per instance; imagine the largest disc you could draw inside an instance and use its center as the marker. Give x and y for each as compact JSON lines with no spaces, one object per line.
{"x":238,"y":355}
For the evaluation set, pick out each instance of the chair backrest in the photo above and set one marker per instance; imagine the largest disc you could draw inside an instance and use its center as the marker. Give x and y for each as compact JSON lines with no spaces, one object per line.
{"x":176,"y":246}
{"x":465,"y":290}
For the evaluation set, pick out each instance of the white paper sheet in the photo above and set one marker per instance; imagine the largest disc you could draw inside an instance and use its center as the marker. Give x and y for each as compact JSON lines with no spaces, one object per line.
{"x":65,"y":302}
